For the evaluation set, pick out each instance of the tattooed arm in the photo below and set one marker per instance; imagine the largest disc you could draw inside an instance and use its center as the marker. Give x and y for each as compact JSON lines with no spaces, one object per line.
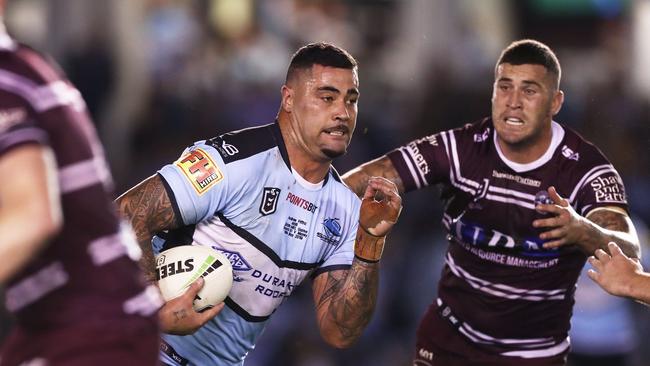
{"x":611,"y":224}
{"x":357,"y":178}
{"x":148,"y":208}
{"x":601,"y":226}
{"x":345,"y":299}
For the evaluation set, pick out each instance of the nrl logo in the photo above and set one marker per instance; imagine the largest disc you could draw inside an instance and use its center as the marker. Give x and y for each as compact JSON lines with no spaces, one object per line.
{"x":269,"y":200}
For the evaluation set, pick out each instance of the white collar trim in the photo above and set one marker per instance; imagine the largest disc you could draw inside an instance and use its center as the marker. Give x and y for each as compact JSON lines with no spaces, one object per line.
{"x":557,"y":134}
{"x":306,"y":184}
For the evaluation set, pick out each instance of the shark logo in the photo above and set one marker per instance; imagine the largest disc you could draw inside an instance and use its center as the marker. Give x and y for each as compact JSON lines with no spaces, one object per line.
{"x":332,"y":232}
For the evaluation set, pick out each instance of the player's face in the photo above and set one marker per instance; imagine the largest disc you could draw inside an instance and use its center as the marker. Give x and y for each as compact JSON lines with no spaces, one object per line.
{"x":324,"y":110}
{"x":524,"y":101}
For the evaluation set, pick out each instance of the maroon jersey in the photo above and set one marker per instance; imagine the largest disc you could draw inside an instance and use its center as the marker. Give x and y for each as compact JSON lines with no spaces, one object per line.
{"x":500,"y":288}
{"x":85,"y":275}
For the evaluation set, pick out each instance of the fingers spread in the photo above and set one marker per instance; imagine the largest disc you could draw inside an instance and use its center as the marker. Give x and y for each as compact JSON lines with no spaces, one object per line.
{"x":615,"y":250}
{"x":595,"y":276}
{"x":553,"y":234}
{"x":595,"y":263}
{"x":554,"y":244}
{"x":549,"y":208}
{"x":602,"y":255}
{"x":556,"y":198}
{"x":550,"y":222}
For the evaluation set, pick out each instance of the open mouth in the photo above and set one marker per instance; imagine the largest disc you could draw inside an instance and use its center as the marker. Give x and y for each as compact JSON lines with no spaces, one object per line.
{"x":513,"y":121}
{"x":337,"y":131}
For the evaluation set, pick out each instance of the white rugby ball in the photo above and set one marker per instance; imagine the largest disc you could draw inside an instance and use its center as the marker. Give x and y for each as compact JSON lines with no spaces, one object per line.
{"x":177,"y":268}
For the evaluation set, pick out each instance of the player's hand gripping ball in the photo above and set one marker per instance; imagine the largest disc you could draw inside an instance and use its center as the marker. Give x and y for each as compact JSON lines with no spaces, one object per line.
{"x":177,"y":268}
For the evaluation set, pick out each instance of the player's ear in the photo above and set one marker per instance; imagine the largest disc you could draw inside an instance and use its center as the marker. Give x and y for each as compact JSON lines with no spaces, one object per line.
{"x":287,"y":98}
{"x":556,"y":103}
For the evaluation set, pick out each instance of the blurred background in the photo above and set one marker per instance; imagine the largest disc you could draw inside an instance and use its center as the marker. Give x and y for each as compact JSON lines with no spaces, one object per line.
{"x":160,"y":74}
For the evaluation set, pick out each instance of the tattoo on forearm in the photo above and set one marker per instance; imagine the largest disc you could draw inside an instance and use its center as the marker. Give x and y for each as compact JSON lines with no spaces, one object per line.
{"x":350,"y":299}
{"x":390,"y":173}
{"x":382,"y":167}
{"x":610,"y":220}
{"x":620,"y":229}
{"x":149,"y":210}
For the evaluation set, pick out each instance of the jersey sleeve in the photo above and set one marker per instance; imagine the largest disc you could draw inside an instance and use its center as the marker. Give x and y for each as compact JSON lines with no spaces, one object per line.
{"x":197,"y":183}
{"x":601,"y":186}
{"x":424,"y":161}
{"x":17,"y":124}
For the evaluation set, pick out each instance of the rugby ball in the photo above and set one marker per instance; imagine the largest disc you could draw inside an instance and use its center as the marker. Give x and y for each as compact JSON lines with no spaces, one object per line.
{"x":177,"y":268}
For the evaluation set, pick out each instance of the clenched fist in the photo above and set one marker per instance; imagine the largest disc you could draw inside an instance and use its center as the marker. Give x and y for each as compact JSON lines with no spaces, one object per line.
{"x":380,"y":208}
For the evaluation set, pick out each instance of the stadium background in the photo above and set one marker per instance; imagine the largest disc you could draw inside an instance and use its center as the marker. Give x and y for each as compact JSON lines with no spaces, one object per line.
{"x":159,"y":74}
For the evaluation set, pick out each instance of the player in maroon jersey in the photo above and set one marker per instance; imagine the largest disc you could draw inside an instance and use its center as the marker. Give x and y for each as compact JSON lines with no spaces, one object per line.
{"x":68,"y":266}
{"x":527,"y":199}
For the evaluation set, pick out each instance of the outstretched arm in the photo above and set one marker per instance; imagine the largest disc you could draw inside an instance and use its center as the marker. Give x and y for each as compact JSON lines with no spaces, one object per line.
{"x":345,"y":299}
{"x":590,"y":233}
{"x":357,"y":178}
{"x":30,"y":210}
{"x":619,"y":274}
{"x":149,"y":210}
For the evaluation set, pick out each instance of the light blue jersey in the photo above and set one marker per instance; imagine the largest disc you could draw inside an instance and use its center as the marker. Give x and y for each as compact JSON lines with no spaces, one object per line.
{"x":237,"y":193}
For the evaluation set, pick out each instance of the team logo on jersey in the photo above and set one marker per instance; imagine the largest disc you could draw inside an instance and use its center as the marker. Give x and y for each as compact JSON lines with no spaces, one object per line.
{"x":332,"y":231}
{"x":542,"y":198}
{"x":200,"y":170}
{"x":269,"y":200}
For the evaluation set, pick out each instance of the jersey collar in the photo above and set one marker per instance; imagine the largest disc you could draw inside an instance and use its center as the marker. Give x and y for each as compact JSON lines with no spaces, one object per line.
{"x":557,"y":135}
{"x":277,"y":136}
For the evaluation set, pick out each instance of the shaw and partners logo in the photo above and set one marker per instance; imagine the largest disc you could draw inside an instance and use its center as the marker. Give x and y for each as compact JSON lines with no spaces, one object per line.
{"x":608,"y":189}
{"x":331,"y":233}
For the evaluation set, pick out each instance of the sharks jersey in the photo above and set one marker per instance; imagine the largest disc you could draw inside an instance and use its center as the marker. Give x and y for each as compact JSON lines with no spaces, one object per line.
{"x":500,"y":288}
{"x":238,"y":194}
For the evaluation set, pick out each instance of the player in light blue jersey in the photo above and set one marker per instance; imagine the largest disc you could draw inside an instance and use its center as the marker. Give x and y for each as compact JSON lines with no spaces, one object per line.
{"x":269,"y":199}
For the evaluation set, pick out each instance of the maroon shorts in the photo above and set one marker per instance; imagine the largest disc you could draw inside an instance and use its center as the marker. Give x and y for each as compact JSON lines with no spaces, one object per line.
{"x":440,"y":344}
{"x":127,"y":341}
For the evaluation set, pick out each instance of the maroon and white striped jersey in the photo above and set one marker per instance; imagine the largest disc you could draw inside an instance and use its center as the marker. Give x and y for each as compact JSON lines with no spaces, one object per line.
{"x":86,"y":273}
{"x":499,"y":287}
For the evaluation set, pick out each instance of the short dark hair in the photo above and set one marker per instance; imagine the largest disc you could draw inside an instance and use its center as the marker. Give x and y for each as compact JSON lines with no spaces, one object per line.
{"x":530,"y":51}
{"x":320,"y":53}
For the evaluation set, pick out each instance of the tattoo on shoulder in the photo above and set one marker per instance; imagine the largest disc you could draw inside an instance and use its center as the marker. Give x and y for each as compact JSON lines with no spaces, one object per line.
{"x":148,"y":207}
{"x":609,"y":219}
